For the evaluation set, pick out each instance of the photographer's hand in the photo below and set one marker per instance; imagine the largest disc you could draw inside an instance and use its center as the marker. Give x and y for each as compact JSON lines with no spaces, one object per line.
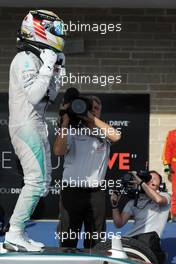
{"x":65,"y":121}
{"x":60,"y":145}
{"x":115,"y":197}
{"x":120,"y":219}
{"x":64,"y":117}
{"x":90,"y":119}
{"x":111,"y":133}
{"x":137,"y":179}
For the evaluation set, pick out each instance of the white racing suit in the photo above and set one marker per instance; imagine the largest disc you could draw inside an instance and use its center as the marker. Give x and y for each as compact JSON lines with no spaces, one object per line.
{"x":27,"y":104}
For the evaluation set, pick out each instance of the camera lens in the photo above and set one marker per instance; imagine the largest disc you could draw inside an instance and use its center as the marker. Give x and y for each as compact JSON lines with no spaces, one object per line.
{"x":79,"y":106}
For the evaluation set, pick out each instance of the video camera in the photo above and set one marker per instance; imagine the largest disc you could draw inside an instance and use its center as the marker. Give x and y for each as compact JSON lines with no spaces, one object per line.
{"x":130,"y":188}
{"x":128,"y":184}
{"x":79,"y":106}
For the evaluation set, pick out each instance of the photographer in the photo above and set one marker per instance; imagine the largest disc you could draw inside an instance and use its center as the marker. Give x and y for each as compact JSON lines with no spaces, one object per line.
{"x":85,"y":161}
{"x":150,"y":214}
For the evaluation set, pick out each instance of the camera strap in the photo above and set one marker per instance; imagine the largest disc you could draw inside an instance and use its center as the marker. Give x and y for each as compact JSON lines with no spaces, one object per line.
{"x":136,"y":196}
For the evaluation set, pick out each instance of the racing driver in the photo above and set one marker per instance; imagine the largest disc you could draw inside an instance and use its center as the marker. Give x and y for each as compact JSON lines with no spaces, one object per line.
{"x":34,"y":75}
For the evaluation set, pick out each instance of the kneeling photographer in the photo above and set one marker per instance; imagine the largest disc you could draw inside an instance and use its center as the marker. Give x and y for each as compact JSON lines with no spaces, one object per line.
{"x":150,"y":212}
{"x":86,"y":156}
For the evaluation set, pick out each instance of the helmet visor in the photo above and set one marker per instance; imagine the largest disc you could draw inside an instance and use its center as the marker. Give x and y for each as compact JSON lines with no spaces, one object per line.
{"x":58,"y":28}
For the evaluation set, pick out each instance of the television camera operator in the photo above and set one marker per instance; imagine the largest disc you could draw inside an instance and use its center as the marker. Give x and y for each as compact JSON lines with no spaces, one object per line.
{"x":85,"y":161}
{"x":150,"y":212}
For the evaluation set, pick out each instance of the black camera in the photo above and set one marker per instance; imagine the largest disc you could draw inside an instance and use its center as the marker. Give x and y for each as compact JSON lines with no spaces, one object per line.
{"x":130,"y":188}
{"x":127,"y":185}
{"x":79,"y":106}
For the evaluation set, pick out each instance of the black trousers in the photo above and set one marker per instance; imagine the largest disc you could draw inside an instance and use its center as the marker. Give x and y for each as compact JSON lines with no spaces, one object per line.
{"x":152,"y":240}
{"x":80,"y":206}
